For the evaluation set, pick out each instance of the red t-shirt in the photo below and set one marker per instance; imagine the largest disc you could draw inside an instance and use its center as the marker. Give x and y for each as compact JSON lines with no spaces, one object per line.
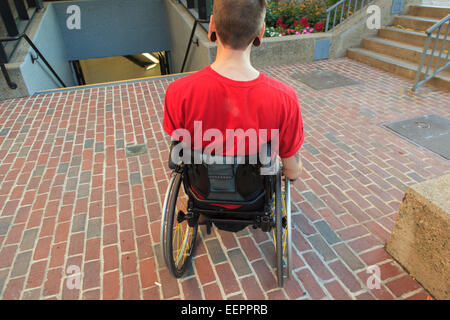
{"x":221,"y":103}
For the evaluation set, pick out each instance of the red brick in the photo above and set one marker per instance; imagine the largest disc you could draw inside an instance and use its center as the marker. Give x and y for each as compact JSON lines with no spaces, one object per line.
{"x":36,"y":274}
{"x":422,"y":295}
{"x":57,"y":255}
{"x":53,"y":283}
{"x":141,"y":226}
{"x":169,"y":284}
{"x":346,"y":276}
{"x":109,"y":215}
{"x":402,"y":285}
{"x":227,"y":278}
{"x":13,"y":289}
{"x":352,"y":232}
{"x":191,"y":289}
{"x":276,"y":295}
{"x":375,"y":256}
{"x":377,"y":230}
{"x":92,"y":295}
{"x":252,"y":289}
{"x":151,"y":293}
{"x":144,"y":246}
{"x":204,"y":269}
{"x":111,"y":286}
{"x":250,"y":250}
{"x":110,"y":258}
{"x":147,"y":272}
{"x":42,"y":248}
{"x":62,"y":232}
{"x":109,"y":234}
{"x":48,"y":227}
{"x":76,"y":245}
{"x":317,"y":266}
{"x":336,"y":290}
{"x":128,"y":263}
{"x":92,"y":249}
{"x":265,"y":275}
{"x":212,"y":292}
{"x":35,"y":219}
{"x":15,"y":234}
{"x":310,"y":284}
{"x":364,"y":243}
{"x":228,"y":239}
{"x":293,"y":288}
{"x":7,"y":256}
{"x":127,"y":241}
{"x":91,"y":275}
{"x":364,"y":296}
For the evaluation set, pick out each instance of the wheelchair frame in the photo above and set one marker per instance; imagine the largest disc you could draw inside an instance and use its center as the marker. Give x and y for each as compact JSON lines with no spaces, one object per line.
{"x":270,"y":219}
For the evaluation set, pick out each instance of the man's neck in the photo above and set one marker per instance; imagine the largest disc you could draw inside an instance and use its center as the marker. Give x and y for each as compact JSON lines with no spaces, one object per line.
{"x":234,"y":64}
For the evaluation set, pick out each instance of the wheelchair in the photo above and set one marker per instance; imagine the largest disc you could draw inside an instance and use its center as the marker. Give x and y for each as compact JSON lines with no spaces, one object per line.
{"x":231,"y":195}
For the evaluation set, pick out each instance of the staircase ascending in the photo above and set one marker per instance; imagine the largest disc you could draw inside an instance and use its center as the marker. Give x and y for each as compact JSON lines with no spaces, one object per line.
{"x":399,"y":48}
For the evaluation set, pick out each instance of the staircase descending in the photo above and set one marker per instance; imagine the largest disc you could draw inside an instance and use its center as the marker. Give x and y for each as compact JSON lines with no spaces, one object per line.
{"x":399,"y":48}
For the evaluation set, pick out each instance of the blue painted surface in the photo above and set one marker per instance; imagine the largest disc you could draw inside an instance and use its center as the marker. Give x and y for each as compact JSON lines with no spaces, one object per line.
{"x":397,"y":6}
{"x":49,"y":40}
{"x":114,"y":28}
{"x":108,"y":28}
{"x":321,"y":49}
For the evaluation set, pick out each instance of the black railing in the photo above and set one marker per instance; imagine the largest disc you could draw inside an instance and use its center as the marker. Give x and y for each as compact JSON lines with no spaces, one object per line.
{"x":11,"y":84}
{"x":15,"y":16}
{"x":201,"y":11}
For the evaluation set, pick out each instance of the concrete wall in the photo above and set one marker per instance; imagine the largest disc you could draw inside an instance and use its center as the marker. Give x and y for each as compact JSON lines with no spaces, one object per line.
{"x":49,"y":40}
{"x":114,"y":28}
{"x":180,"y":23}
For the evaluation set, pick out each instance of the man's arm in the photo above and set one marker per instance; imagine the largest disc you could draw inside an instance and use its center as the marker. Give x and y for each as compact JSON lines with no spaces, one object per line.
{"x":292,"y":166}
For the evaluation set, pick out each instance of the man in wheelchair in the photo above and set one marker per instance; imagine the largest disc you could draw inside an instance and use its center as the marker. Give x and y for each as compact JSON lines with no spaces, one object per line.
{"x":215,"y":111}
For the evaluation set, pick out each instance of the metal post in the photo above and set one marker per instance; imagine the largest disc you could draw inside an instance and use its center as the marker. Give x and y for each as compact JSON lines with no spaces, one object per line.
{"x":419,"y":71}
{"x":21,"y":9}
{"x":434,"y":48}
{"x":444,"y":41}
{"x":189,"y":45}
{"x":8,"y":18}
{"x":3,"y":56}
{"x":328,"y":21}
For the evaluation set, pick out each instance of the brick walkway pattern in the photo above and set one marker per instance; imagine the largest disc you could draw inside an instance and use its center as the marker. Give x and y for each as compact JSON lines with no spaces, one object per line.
{"x":70,"y":196}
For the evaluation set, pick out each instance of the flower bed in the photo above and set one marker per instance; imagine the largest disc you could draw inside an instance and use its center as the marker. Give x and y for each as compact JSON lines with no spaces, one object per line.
{"x":294,"y":17}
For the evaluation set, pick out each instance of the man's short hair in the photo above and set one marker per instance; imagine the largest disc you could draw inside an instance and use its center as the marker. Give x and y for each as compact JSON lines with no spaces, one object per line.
{"x":238,"y":22}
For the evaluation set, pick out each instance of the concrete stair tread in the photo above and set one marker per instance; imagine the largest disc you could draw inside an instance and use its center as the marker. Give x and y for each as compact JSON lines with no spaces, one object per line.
{"x":404,"y":45}
{"x":445,"y":75}
{"x":427,"y":19}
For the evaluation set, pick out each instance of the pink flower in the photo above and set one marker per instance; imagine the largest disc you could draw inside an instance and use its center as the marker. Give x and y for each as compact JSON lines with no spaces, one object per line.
{"x":296,"y":32}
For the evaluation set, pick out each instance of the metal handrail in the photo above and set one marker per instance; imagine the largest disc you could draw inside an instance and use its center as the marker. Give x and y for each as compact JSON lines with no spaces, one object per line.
{"x":11,"y":84}
{"x":334,"y":9}
{"x":429,"y":33}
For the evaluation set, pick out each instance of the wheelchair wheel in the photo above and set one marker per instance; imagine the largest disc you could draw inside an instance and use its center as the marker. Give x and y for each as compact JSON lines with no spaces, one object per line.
{"x":282,"y":230}
{"x":177,"y":237}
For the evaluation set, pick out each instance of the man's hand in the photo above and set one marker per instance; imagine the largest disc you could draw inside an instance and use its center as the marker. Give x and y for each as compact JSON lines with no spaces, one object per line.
{"x":292,"y":166}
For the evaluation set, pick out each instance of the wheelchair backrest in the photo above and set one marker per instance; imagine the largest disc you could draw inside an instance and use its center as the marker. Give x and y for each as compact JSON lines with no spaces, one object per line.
{"x":225,"y":178}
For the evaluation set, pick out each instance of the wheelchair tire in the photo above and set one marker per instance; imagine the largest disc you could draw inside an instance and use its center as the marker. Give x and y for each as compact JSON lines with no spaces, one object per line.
{"x":279,"y":230}
{"x":177,"y":258}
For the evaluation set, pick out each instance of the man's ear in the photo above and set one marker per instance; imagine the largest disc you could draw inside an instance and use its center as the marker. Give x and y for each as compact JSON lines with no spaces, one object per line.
{"x":263,"y":29}
{"x":212,"y":34}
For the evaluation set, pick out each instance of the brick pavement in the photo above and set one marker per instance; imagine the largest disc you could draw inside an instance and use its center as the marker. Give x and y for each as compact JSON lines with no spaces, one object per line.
{"x":69,"y":195}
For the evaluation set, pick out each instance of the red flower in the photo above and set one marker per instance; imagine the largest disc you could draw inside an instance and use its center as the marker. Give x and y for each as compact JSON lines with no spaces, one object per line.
{"x":318,"y":26}
{"x":279,"y":22}
{"x":283,"y":26}
{"x":296,"y":23}
{"x":303,"y":21}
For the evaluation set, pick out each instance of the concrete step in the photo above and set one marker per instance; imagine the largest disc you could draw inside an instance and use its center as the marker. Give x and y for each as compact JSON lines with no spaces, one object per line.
{"x":429,"y":11}
{"x":410,"y":37}
{"x":397,"y":66}
{"x":401,"y":50}
{"x":415,"y":23}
